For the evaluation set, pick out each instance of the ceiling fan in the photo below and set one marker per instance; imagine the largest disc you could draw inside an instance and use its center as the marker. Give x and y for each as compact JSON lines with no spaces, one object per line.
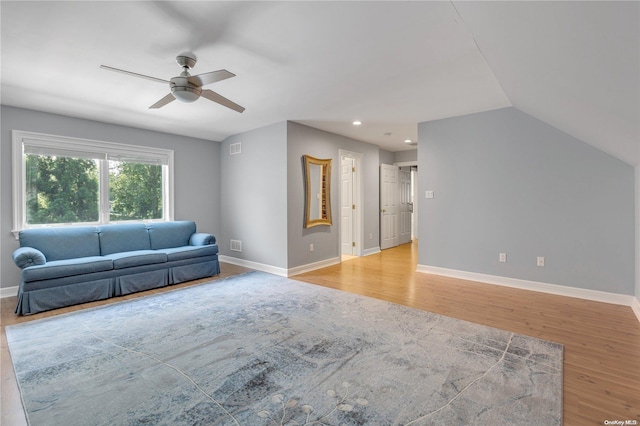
{"x":187,"y":87}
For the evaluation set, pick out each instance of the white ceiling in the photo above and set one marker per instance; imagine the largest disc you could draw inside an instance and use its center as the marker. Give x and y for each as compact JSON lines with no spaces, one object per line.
{"x":574,"y":65}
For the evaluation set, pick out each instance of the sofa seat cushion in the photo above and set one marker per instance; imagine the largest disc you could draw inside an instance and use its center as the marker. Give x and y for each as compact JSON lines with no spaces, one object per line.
{"x":189,"y":252}
{"x":129,"y":259}
{"x":67,"y":268}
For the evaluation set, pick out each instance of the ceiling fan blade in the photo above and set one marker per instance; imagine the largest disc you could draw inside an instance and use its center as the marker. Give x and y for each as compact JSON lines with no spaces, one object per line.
{"x":210,"y":77}
{"x":213,"y":96}
{"x":162,"y":102}
{"x":135,"y":74}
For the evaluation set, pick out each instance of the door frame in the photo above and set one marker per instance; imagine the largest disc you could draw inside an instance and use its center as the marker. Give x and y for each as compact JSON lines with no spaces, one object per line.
{"x":358,"y":197}
{"x":404,"y":206}
{"x":416,"y":198}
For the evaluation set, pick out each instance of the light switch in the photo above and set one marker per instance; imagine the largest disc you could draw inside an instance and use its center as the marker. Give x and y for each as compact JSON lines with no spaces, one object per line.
{"x":428,"y":194}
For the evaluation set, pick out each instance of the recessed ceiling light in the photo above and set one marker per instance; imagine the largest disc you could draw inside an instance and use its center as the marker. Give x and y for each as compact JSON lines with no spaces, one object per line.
{"x":357,"y":123}
{"x":408,"y":141}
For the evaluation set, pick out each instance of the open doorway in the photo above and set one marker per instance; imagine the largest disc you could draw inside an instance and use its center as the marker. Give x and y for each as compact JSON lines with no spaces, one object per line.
{"x":398,"y":206}
{"x":351,"y":204}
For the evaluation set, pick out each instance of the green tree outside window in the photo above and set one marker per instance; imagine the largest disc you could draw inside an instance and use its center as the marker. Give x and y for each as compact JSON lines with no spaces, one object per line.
{"x":135,"y":191}
{"x":67,"y":190}
{"x":61,"y":190}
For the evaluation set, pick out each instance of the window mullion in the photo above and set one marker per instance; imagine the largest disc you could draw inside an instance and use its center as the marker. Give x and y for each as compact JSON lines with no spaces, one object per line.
{"x":104,"y":190}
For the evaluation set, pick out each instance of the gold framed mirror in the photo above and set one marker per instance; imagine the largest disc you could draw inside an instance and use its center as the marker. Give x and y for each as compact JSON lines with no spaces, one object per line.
{"x":317,"y":178}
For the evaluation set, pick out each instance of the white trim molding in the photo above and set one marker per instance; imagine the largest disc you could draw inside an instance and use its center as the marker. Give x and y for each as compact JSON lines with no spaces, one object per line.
{"x":275,"y":270}
{"x":24,"y":142}
{"x":580,"y":293}
{"x":406,"y":163}
{"x":313,"y":266}
{"x":358,"y":199}
{"x":635,"y":306}
{"x":253,"y":265}
{"x":370,"y":251}
{"x":8,"y":292}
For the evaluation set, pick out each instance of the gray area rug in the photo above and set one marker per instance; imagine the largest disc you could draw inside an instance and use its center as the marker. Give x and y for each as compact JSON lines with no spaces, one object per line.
{"x":258,"y":349}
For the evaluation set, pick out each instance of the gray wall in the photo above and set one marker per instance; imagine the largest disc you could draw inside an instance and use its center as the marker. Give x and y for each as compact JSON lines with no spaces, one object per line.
{"x":196,"y":179}
{"x":506,"y":182}
{"x":405,"y":156}
{"x":326,"y":239}
{"x":262,"y":195}
{"x":253,"y":199}
{"x":387,"y":157}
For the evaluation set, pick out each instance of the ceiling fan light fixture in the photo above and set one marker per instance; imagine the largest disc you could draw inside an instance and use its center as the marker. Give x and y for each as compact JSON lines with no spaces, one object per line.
{"x":185,"y":94}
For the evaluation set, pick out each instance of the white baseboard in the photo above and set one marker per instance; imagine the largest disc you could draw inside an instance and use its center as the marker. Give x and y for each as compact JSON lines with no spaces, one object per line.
{"x":8,"y":291}
{"x":580,"y":293}
{"x":313,"y":266}
{"x":371,"y":251}
{"x":283,"y":272}
{"x":635,"y":306}
{"x":253,"y":265}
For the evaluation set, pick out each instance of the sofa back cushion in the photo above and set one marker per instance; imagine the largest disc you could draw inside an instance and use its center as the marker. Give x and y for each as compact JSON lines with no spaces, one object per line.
{"x":170,"y":234}
{"x":59,"y":243}
{"x":123,"y":237}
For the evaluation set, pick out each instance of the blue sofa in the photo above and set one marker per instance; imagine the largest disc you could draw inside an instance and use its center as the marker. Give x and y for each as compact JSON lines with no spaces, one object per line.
{"x":63,"y":266}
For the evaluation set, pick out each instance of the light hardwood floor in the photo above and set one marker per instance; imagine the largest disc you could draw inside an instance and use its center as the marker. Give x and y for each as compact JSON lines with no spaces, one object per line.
{"x":601,"y":341}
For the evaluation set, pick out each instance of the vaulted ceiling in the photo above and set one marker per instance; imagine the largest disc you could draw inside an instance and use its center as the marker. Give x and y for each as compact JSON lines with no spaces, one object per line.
{"x":391,"y":65}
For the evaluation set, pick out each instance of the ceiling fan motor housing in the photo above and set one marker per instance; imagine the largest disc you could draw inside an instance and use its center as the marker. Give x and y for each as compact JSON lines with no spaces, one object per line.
{"x":186,"y":59}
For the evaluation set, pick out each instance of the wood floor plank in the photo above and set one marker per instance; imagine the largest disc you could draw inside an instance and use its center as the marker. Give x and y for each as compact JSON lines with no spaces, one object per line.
{"x":601,"y":341}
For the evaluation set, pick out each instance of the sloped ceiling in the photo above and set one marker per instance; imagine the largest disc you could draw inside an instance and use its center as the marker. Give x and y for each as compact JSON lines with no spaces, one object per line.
{"x":574,"y":65}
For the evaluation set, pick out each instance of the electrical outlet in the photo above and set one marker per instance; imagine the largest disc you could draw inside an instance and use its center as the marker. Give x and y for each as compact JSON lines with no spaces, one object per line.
{"x":310,"y":247}
{"x":503,"y":257}
{"x":540,"y":261}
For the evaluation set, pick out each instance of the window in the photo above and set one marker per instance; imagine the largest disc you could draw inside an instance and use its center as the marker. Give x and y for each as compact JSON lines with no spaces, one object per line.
{"x":63,"y":181}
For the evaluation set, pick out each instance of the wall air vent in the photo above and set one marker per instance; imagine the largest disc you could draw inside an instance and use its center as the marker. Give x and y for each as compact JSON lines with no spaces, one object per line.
{"x":236,"y":245}
{"x":235,"y":148}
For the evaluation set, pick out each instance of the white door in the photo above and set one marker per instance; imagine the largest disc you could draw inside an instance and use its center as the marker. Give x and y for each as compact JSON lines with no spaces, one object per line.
{"x":404,"y":206}
{"x":388,"y":206}
{"x":347,"y":205}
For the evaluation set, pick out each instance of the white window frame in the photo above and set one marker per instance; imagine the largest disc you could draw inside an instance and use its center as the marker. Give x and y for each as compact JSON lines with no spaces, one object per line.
{"x":105,"y":150}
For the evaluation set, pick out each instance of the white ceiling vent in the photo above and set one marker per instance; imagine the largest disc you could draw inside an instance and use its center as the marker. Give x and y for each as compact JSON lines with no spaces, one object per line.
{"x":235,"y":148}
{"x":236,"y":245}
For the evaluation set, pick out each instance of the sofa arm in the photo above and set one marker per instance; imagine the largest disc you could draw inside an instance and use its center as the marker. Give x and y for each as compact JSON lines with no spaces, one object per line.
{"x":28,"y":256}
{"x":201,"y":239}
